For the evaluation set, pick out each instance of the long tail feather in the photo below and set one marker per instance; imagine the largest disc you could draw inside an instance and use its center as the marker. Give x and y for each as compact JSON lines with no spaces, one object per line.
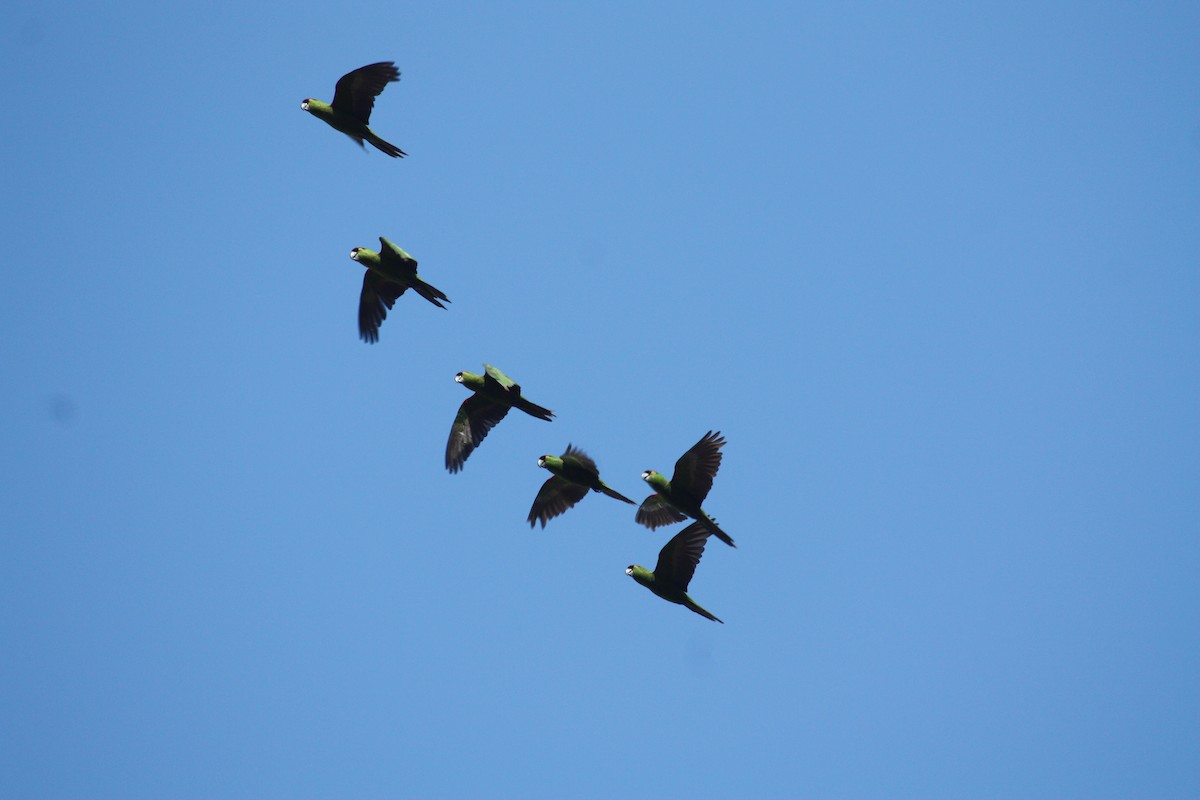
{"x":608,"y":490}
{"x":386,"y":147}
{"x":710,"y":525}
{"x":534,"y":410}
{"x":694,"y":606}
{"x":430,"y":293}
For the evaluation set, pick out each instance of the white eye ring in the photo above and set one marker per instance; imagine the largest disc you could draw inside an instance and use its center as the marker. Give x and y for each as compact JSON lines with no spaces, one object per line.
{"x":304,"y":105}
{"x":354,"y":254}
{"x":541,"y":461}
{"x":458,"y":378}
{"x":629,"y":570}
{"x":645,"y":474}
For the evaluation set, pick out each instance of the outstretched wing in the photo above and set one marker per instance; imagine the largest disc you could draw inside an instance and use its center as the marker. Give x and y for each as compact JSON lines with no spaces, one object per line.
{"x":394,"y":257}
{"x":476,"y":416}
{"x":678,"y":559}
{"x":581,"y":459}
{"x":695,"y":469}
{"x":356,"y":91}
{"x":374,"y":302}
{"x":499,"y":377}
{"x":555,"y":497}
{"x":655,"y":512}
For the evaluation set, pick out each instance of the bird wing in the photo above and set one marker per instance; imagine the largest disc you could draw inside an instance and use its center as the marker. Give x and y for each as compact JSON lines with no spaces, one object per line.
{"x":555,"y":497}
{"x":678,"y":559}
{"x":374,"y":301}
{"x":499,"y":377}
{"x":655,"y":512}
{"x":581,"y":458}
{"x":356,"y":91}
{"x":393,"y":256}
{"x":695,"y":469}
{"x":476,"y":416}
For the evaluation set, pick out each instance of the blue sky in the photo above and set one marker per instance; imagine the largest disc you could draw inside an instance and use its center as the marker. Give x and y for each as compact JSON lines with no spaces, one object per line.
{"x":933,"y":270}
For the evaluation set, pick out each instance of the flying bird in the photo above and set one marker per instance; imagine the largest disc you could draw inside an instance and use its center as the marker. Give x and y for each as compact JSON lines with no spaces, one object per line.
{"x":573,"y":475}
{"x":494,"y":393}
{"x":676,"y":564}
{"x":389,"y":273}
{"x":353,"y":98}
{"x":681,"y":497}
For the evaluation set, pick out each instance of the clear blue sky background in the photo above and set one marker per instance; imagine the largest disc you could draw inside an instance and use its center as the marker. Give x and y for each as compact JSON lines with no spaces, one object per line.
{"x":933,"y":270}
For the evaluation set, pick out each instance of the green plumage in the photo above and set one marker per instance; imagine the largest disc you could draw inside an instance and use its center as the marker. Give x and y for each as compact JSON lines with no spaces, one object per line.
{"x":389,"y":273}
{"x":574,"y":474}
{"x":353,"y":100}
{"x":676,"y":564}
{"x":494,"y":393}
{"x":682,"y":496}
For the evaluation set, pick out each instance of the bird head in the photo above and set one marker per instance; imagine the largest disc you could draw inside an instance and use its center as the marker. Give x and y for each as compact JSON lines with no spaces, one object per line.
{"x":640,"y":574}
{"x":458,"y":378}
{"x":304,"y":103}
{"x":354,"y":253}
{"x":542,"y":460}
{"x":648,"y":474}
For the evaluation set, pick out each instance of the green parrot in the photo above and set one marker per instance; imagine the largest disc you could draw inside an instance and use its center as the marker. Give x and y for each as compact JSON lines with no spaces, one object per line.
{"x":494,"y":394}
{"x":389,"y":273}
{"x":573,"y":475}
{"x":679,"y":498}
{"x":676,"y":564}
{"x":353,"y":98}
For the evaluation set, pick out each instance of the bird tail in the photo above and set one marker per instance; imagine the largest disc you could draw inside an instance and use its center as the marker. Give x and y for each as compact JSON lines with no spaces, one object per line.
{"x":533,"y":409}
{"x":694,"y":606}
{"x":386,"y":147}
{"x":710,"y":525}
{"x":429,"y":292}
{"x":613,"y":493}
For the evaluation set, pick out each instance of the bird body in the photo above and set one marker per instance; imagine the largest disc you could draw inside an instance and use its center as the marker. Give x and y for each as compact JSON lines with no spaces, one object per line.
{"x":498,"y":387}
{"x":573,"y":475}
{"x":390,"y":272}
{"x":493,"y":394}
{"x":682,"y":496}
{"x":676,"y":564}
{"x":353,"y":99}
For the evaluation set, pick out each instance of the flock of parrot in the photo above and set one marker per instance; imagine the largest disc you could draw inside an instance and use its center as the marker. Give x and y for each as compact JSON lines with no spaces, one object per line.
{"x":390,"y":272}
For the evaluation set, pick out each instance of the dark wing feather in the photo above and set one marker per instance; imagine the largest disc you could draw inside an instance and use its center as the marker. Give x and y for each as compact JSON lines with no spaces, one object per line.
{"x":695,"y":469}
{"x":582,"y":459}
{"x":678,"y":559}
{"x":654,"y":512}
{"x":356,"y":91}
{"x":503,"y":380}
{"x":374,"y":302}
{"x":476,"y":416}
{"x":555,"y":497}
{"x":394,"y":257}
